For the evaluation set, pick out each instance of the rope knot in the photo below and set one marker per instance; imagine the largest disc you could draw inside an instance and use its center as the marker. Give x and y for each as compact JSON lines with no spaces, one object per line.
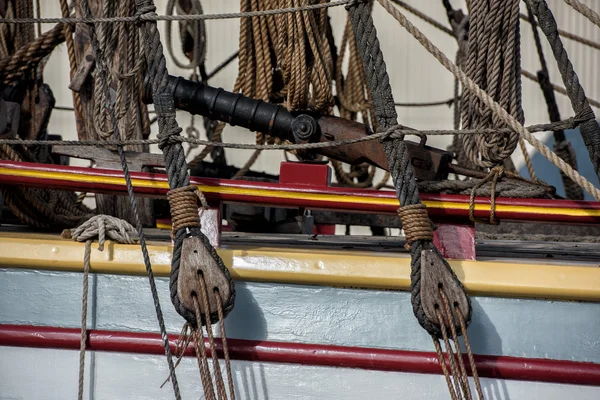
{"x":495,"y":174}
{"x":170,"y":137}
{"x":146,"y":9}
{"x":416,"y":223}
{"x":102,"y":226}
{"x":584,"y":115}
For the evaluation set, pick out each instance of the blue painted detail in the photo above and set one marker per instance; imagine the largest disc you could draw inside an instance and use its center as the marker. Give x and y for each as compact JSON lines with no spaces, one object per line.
{"x":548,"y":173}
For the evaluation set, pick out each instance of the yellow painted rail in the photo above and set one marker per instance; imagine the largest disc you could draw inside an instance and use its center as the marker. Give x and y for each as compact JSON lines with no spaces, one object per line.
{"x":313,"y":267}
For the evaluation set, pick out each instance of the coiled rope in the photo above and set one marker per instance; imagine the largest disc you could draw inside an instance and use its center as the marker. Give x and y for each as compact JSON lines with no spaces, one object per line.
{"x":489,"y":102}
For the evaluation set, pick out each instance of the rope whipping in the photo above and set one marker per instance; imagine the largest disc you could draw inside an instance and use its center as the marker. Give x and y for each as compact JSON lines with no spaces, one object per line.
{"x":179,"y":182}
{"x":590,"y":130}
{"x":562,"y":147}
{"x":489,"y":102}
{"x":101,"y":227}
{"x":399,"y":162}
{"x":102,"y":71}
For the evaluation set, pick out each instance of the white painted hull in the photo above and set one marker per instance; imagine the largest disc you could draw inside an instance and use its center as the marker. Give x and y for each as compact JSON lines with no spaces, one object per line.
{"x":277,"y":312}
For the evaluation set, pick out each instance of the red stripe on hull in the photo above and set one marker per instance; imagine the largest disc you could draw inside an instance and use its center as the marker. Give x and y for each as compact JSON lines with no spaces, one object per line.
{"x":298,"y":200}
{"x":501,"y":367}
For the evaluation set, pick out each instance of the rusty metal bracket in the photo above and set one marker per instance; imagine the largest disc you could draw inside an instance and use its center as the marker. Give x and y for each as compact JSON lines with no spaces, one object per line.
{"x":429,"y":163}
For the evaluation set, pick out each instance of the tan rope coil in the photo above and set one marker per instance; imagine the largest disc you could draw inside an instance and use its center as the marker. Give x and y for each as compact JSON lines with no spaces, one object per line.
{"x":416,"y":223}
{"x":184,"y":206}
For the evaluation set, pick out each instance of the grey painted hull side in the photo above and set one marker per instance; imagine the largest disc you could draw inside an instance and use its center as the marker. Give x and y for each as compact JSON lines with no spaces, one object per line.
{"x":307,"y":314}
{"x":43,"y":374}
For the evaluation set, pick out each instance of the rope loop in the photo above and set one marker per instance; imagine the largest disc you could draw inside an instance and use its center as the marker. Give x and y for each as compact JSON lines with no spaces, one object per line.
{"x":416,"y":223}
{"x":495,"y":174}
{"x":145,"y":12}
{"x":184,"y":207}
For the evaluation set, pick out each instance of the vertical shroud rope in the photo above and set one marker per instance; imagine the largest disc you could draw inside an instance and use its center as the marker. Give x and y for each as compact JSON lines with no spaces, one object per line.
{"x":433,"y":283}
{"x":175,"y":162}
{"x":589,"y":128}
{"x":182,"y":200}
{"x":398,"y":160}
{"x":562,"y":146}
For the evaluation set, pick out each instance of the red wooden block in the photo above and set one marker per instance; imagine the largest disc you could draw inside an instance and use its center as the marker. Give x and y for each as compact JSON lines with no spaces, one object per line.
{"x":455,"y":241}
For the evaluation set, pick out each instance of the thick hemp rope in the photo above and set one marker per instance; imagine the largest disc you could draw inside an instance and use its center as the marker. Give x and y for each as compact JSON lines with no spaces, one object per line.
{"x":282,"y":59}
{"x":493,"y":63}
{"x":590,"y":130}
{"x":354,"y":100}
{"x":525,"y":73}
{"x":175,"y":161}
{"x":396,"y":154}
{"x":489,"y":102}
{"x":101,"y":227}
{"x":562,"y":146}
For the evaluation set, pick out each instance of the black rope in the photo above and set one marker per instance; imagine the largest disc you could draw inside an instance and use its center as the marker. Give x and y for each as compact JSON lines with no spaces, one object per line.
{"x":175,"y":162}
{"x":101,"y":70}
{"x":396,"y":152}
{"x":590,"y":131}
{"x":562,"y":147}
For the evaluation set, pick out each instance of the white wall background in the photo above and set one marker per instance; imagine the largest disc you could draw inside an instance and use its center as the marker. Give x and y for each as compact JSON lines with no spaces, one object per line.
{"x":415,"y":74}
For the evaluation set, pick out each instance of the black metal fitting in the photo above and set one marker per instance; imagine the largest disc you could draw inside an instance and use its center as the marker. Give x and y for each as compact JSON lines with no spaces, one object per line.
{"x":304,"y":128}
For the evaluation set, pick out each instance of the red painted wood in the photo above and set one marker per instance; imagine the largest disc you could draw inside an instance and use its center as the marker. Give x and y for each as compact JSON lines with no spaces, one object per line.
{"x":455,"y":241}
{"x":298,"y":200}
{"x":501,"y":367}
{"x":296,"y":173}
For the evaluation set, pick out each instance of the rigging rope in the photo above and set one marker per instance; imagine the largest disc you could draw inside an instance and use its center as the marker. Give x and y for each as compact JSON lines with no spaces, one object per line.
{"x":400,"y":167}
{"x":489,"y":102}
{"x":584,"y":10}
{"x":590,"y":130}
{"x":493,"y":63}
{"x":354,"y":100}
{"x":30,"y":54}
{"x":428,"y":267}
{"x":282,"y":58}
{"x":102,"y":72}
{"x":141,"y":18}
{"x":393,"y":132}
{"x":188,"y":231}
{"x":101,"y":227}
{"x":562,"y":147}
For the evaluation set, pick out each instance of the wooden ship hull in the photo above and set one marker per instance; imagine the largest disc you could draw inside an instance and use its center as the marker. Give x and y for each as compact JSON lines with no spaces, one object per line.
{"x":311,"y":321}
